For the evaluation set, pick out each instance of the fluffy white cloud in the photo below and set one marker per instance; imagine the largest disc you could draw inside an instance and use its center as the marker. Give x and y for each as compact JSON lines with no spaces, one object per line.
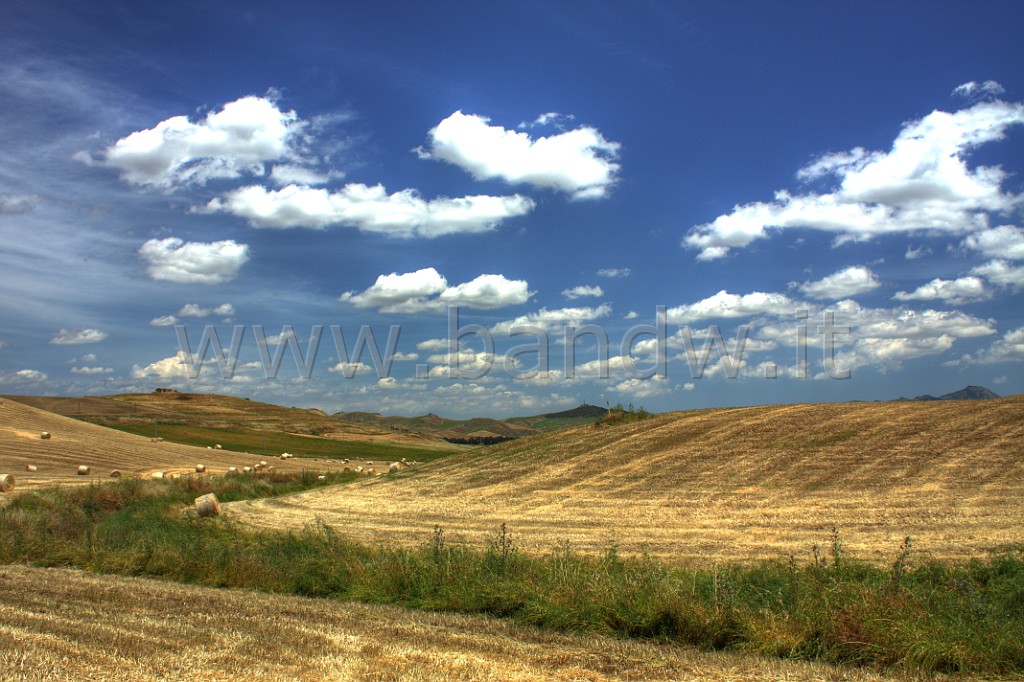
{"x":164,"y":321}
{"x":370,"y":209}
{"x":554,"y":320}
{"x":956,"y":291}
{"x":428,"y":290}
{"x":642,"y":388}
{"x":726,"y":305}
{"x":175,"y":260}
{"x":581,"y":161}
{"x":1009,"y":348}
{"x":78,"y":336}
{"x":847,"y":282}
{"x":880,"y":338}
{"x":1005,"y":241}
{"x":581,"y":291}
{"x":1002,"y":274}
{"x":196,"y":310}
{"x":23,"y":376}
{"x":922,"y":184}
{"x":92,"y":370}
{"x":172,"y":368}
{"x":234,"y":141}
{"x":487,"y":292}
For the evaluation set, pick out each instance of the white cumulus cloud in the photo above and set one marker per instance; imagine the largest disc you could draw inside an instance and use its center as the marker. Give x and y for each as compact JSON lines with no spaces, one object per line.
{"x":956,"y":291}
{"x":234,"y":141}
{"x":78,"y":336}
{"x":923,"y":183}
{"x":428,"y":290}
{"x":580,"y":161}
{"x":175,"y":260}
{"x":1002,"y":273}
{"x":92,"y":370}
{"x":725,"y":305}
{"x":1005,"y":241}
{"x":847,"y":282}
{"x":164,"y":321}
{"x":581,"y":291}
{"x":368,"y":208}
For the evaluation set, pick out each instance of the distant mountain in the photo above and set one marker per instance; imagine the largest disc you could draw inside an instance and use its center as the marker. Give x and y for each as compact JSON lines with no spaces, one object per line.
{"x":966,"y":393}
{"x":479,"y":430}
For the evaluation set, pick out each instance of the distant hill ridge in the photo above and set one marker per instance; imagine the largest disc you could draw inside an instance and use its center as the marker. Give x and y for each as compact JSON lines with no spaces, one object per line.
{"x":966,"y":393}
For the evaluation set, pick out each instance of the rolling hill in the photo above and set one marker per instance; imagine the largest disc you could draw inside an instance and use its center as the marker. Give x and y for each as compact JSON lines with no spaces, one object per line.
{"x":73,"y":443}
{"x":714,"y":484}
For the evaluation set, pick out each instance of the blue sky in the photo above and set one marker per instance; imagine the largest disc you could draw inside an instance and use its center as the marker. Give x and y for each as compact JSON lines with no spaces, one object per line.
{"x":754,"y":170}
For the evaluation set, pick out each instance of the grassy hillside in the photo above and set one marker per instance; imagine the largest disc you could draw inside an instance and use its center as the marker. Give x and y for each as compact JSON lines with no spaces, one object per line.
{"x":75,"y":443}
{"x":241,"y":425}
{"x":717,"y":484}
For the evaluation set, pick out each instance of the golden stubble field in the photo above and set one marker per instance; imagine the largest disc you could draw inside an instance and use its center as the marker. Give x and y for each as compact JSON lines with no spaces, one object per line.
{"x":74,"y":443}
{"x":713,"y":485}
{"x":58,"y":624}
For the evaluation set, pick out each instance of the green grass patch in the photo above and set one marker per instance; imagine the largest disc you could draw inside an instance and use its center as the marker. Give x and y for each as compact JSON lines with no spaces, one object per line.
{"x":273,"y":443}
{"x":918,"y":616}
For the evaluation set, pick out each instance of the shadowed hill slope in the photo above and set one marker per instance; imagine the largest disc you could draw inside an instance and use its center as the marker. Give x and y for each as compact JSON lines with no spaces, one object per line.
{"x":75,"y":443}
{"x":712,"y":484}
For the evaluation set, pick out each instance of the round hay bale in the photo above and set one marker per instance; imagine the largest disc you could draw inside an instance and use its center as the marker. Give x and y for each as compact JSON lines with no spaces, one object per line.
{"x":200,"y":468}
{"x":247,"y":470}
{"x":116,"y":473}
{"x":45,"y":435}
{"x":394,"y":468}
{"x":321,"y":477}
{"x":157,"y":475}
{"x":263,"y":463}
{"x":232,"y":470}
{"x":6,"y":483}
{"x":359,"y":470}
{"x":217,"y":447}
{"x":84,"y":470}
{"x":31,"y":467}
{"x":346,"y":469}
{"x":371,"y":472}
{"x":207,"y":505}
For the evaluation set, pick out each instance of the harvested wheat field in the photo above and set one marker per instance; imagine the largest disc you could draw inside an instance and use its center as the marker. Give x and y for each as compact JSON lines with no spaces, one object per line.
{"x":73,"y":444}
{"x":58,"y":624}
{"x":713,"y":484}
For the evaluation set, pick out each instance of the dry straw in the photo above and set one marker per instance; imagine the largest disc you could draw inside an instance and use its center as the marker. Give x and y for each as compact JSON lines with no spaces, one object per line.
{"x":84,"y":470}
{"x":6,"y":483}
{"x":207,"y":505}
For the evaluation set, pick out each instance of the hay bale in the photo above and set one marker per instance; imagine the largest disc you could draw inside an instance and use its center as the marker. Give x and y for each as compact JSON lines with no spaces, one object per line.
{"x":157,"y":475}
{"x":232,"y":471}
{"x":84,"y":470}
{"x":263,"y":463}
{"x":6,"y":483}
{"x":207,"y":505}
{"x":217,"y":447}
{"x":321,"y":478}
{"x":346,"y":469}
{"x":394,"y":468}
{"x":116,"y":473}
{"x":45,"y":435}
{"x":371,"y":472}
{"x":359,"y":470}
{"x":200,"y":468}
{"x":247,"y":470}
{"x":31,"y":467}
